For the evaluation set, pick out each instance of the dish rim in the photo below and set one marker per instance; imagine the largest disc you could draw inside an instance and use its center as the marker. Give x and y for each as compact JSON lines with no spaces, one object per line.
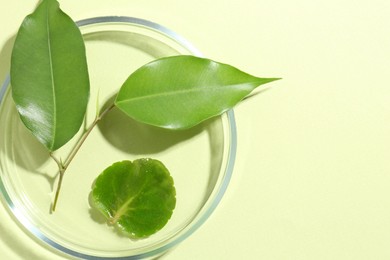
{"x":35,"y":232}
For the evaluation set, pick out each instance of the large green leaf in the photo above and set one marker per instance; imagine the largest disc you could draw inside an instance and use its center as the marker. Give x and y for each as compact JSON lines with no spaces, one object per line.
{"x":181,"y":91}
{"x":49,"y":75}
{"x":138,"y":196}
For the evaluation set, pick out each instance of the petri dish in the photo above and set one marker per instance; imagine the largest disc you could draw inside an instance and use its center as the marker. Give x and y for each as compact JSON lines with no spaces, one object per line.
{"x":200,"y":159}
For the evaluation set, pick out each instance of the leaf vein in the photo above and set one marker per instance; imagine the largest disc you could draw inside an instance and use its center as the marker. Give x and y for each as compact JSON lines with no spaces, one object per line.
{"x":51,"y":75}
{"x":184,"y":91}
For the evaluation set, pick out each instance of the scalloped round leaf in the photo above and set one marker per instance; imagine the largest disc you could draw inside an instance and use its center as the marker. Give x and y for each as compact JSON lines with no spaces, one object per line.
{"x":138,"y":197}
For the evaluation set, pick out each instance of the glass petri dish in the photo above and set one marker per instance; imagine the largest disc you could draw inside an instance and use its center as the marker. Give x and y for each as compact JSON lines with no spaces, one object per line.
{"x":200,"y":159}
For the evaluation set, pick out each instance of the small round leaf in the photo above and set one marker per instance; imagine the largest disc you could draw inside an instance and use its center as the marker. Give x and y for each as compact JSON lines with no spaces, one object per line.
{"x":138,"y":197}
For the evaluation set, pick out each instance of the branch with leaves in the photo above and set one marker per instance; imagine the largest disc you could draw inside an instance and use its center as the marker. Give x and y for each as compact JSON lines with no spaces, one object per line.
{"x":51,"y":87}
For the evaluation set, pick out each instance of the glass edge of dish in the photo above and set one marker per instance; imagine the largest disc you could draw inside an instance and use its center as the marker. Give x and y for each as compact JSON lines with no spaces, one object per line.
{"x":141,"y":22}
{"x":26,"y":223}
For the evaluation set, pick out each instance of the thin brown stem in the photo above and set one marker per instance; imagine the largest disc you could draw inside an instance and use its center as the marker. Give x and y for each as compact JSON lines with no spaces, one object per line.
{"x":62,"y":167}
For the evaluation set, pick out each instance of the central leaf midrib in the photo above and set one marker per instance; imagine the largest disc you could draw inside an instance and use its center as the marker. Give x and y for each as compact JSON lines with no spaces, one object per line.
{"x":183,"y":91}
{"x":54,"y":123}
{"x":122,"y":210}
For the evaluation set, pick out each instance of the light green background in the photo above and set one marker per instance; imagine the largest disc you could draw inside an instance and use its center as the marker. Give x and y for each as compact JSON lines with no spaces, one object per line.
{"x":312,"y":176}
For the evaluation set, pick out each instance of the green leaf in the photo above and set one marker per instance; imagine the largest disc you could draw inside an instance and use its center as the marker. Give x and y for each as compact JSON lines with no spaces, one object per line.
{"x":49,"y":75}
{"x":138,"y":197}
{"x":181,"y":91}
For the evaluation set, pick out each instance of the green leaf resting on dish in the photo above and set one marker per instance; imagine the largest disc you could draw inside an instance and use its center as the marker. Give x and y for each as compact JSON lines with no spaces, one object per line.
{"x":181,"y":91}
{"x":138,"y":197}
{"x":49,"y":75}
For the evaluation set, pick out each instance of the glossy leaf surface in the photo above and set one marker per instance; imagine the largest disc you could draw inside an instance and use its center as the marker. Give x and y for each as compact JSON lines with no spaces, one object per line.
{"x":181,"y":91}
{"x":138,"y":197}
{"x":49,"y":75}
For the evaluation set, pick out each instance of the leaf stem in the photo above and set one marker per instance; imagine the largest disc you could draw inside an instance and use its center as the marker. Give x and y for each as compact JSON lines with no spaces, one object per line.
{"x":53,"y":208}
{"x":62,"y":167}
